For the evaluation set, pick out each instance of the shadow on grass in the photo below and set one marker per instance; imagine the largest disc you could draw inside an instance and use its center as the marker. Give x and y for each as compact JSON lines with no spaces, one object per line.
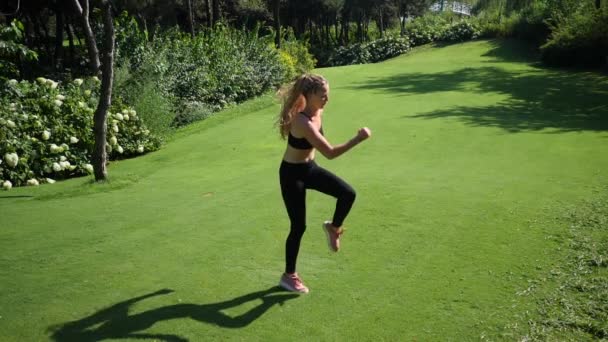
{"x":15,"y":196}
{"x":115,"y":322}
{"x":535,"y":98}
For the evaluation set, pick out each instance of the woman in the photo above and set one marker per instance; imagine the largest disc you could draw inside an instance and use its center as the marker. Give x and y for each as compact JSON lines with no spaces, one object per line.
{"x":300,"y":122}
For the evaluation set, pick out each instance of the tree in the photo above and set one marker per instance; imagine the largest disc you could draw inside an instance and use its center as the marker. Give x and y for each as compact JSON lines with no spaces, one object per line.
{"x":99,"y":156}
{"x":83,"y":12}
{"x":216,"y":11}
{"x":276,"y":6}
{"x":190,"y":18}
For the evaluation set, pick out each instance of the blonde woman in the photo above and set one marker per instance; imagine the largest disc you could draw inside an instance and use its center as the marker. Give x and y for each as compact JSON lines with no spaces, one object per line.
{"x":300,"y":122}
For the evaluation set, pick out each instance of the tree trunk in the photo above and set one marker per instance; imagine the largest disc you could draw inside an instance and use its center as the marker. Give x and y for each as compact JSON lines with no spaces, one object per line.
{"x":58,"y":55}
{"x":88,"y":32}
{"x":277,"y":22}
{"x":68,"y":29}
{"x":99,"y":157}
{"x":209,"y":14}
{"x":381,"y":24}
{"x":216,"y":11}
{"x":190,"y":18}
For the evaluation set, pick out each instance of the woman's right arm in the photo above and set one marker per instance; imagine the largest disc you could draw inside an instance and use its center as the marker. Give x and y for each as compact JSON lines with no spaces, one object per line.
{"x":318,"y":141}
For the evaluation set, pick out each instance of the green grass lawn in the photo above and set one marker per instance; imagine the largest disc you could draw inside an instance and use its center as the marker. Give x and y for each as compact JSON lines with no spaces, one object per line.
{"x":475,"y":153}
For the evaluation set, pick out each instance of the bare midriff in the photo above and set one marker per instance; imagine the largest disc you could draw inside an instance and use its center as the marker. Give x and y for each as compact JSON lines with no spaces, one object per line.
{"x":297,"y":156}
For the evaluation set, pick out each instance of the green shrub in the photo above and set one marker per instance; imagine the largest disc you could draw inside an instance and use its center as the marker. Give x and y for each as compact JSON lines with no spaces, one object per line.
{"x":295,"y":54}
{"x":214,"y":69}
{"x":131,"y":42}
{"x":579,"y":40}
{"x":143,"y":94}
{"x":460,"y":31}
{"x":12,"y":51}
{"x":353,"y":54}
{"x":46,"y":130}
{"x":372,"y":52}
{"x":426,"y":29}
{"x":388,"y":47}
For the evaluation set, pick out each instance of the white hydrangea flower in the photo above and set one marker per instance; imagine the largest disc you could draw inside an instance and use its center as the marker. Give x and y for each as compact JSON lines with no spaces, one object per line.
{"x":96,"y":79}
{"x":33,"y":139}
{"x":11,"y":159}
{"x":119,"y":116}
{"x":140,"y":149}
{"x":33,"y":182}
{"x":63,"y":158}
{"x":73,"y":140}
{"x":60,"y":97}
{"x":113,"y":141}
{"x":119,"y":149}
{"x":41,"y":80}
{"x":64,"y":164}
{"x":126,"y":117}
{"x":125,"y":111}
{"x":54,"y":148}
{"x":52,"y":84}
{"x":58,"y":103}
{"x":146,"y":132}
{"x":46,"y":135}
{"x":7,"y":185}
{"x":87,"y":93}
{"x":89,"y":168}
{"x":78,"y":81}
{"x":12,"y":82}
{"x":72,"y":167}
{"x":50,"y":181}
{"x":57,"y":167}
{"x":132,"y":112}
{"x":81,"y":104}
{"x":10,"y":124}
{"x":115,"y":128}
{"x":114,"y":122}
{"x":64,"y":147}
{"x":108,"y":148}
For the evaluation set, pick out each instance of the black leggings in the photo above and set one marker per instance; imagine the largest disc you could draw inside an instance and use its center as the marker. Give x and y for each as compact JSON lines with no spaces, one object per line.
{"x":295,"y":179}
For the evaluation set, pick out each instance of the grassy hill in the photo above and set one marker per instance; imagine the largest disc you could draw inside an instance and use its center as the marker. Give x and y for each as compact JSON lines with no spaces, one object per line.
{"x":476,"y":154}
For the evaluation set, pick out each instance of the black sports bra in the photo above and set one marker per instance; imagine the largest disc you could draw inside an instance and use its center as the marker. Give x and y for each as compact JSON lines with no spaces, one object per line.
{"x":300,"y":143}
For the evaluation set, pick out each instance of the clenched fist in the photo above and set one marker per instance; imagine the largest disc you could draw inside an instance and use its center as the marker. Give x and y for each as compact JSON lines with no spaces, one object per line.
{"x":364,"y":133}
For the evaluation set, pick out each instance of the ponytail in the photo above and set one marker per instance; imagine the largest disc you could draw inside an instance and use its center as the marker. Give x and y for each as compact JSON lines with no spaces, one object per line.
{"x":294,"y":99}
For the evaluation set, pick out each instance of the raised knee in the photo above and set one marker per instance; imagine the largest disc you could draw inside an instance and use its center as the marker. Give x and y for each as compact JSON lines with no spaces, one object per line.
{"x":350,"y":195}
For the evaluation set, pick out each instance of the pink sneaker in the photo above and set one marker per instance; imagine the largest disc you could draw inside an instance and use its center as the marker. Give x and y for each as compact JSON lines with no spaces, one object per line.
{"x":333,"y":236}
{"x":293,"y":283}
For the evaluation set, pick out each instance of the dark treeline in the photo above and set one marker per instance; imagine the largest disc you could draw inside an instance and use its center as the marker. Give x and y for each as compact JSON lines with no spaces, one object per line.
{"x":53,"y":28}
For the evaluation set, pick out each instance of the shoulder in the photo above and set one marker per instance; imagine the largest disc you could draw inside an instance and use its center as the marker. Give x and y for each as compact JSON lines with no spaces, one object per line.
{"x":301,"y":120}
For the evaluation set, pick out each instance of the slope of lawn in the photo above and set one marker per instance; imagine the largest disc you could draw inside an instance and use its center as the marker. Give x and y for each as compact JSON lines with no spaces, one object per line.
{"x":475,"y":153}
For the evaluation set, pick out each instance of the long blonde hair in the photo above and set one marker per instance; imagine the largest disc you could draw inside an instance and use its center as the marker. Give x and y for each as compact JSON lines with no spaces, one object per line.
{"x":294,"y":99}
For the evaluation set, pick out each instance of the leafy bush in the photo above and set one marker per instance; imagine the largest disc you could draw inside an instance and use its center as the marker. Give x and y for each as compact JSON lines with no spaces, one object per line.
{"x":372,"y":52}
{"x":12,"y":51}
{"x":131,"y":42}
{"x":579,"y":40}
{"x":45,"y":130}
{"x":353,"y":54}
{"x":295,"y":57}
{"x":460,"y":31}
{"x":426,"y":29}
{"x":388,"y":47}
{"x":214,"y":69}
